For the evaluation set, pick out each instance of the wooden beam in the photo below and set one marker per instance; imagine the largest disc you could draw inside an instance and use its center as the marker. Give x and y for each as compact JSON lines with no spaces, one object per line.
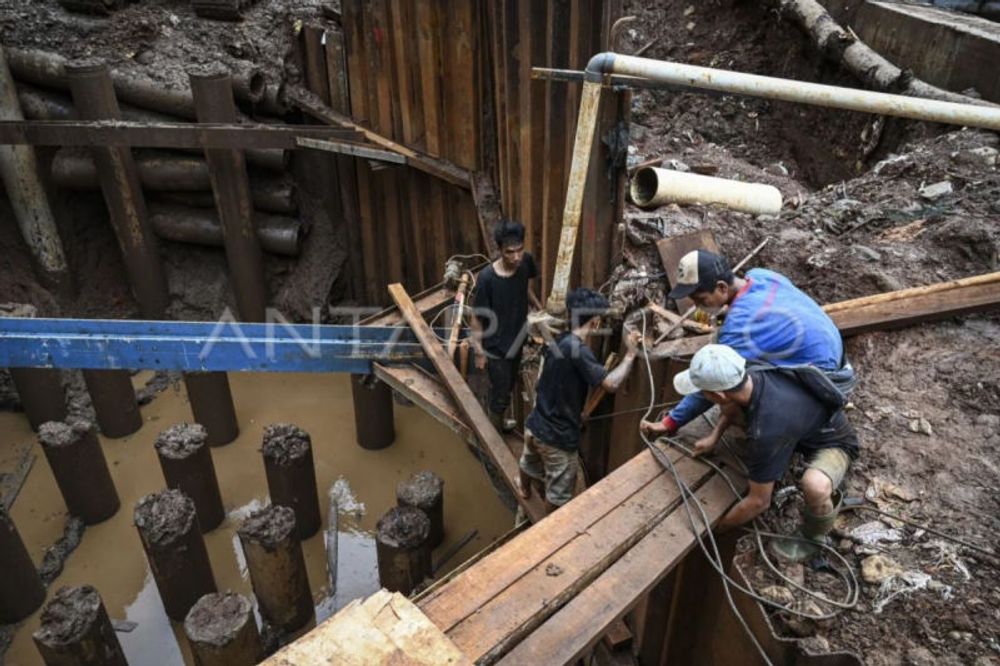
{"x":103,"y":133}
{"x":353,"y":149}
{"x":578,"y":625}
{"x":490,"y":440}
{"x":434,"y":166}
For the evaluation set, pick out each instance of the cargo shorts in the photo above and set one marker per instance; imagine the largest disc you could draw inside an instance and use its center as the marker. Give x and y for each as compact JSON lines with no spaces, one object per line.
{"x":834,"y":462}
{"x":555,"y":467}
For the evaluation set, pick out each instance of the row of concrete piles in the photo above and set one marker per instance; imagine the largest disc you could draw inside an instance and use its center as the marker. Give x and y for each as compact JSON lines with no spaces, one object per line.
{"x":171,"y":524}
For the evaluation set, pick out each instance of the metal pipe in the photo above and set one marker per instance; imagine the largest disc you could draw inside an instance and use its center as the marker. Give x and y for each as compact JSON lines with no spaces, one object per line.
{"x":21,"y":589}
{"x":19,"y":171}
{"x":113,"y":397}
{"x":425,"y":491}
{"x":39,"y":104}
{"x":652,"y":187}
{"x":277,"y":568}
{"x":213,"y":97}
{"x":291,"y":474}
{"x":168,"y":172}
{"x":81,"y":471}
{"x":816,"y":94}
{"x":402,"y":549}
{"x":277,"y":234}
{"x":222,"y":631}
{"x":168,"y":527}
{"x":373,"y":412}
{"x":75,"y":630}
{"x":212,"y":405}
{"x":45,"y":68}
{"x":95,"y":99}
{"x":187,"y":466}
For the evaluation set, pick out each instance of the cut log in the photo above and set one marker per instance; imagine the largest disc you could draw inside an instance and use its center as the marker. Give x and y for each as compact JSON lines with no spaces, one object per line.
{"x":863,"y":62}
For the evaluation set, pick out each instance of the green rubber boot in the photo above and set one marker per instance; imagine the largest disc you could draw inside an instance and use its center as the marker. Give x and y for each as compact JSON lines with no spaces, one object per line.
{"x":809,"y":536}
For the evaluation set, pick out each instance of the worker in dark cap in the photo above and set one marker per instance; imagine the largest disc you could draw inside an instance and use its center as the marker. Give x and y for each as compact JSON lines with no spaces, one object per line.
{"x":569,"y":371}
{"x":768,"y":320}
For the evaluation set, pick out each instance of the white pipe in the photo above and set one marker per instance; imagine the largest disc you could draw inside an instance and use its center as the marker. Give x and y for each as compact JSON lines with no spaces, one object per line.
{"x":653,"y":187}
{"x":851,"y":99}
{"x":19,"y":171}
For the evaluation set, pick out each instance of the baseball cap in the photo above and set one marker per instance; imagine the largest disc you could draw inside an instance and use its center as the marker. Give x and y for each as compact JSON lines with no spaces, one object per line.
{"x":713,"y":368}
{"x":698,"y":270}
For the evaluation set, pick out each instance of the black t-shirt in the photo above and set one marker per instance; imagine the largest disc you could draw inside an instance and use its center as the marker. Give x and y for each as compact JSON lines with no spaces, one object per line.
{"x":784,"y":417}
{"x":507,"y":299}
{"x":570,"y":370}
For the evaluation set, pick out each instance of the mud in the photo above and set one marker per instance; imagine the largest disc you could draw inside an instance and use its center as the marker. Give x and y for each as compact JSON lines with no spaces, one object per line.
{"x":217,"y":618}
{"x":22,"y":310}
{"x":269,"y":527}
{"x":164,"y":516}
{"x":69,"y":615}
{"x":56,"y":555}
{"x":285,"y":444}
{"x":57,"y":434}
{"x":403,"y":527}
{"x":181,"y":440}
{"x":422,"y":490}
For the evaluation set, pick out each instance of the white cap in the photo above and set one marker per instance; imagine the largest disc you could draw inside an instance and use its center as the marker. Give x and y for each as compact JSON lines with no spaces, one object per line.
{"x":714,"y":368}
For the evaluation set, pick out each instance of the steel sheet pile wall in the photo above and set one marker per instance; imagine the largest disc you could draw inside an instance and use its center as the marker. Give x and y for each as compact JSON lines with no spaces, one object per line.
{"x":452,"y":80}
{"x":536,"y":123}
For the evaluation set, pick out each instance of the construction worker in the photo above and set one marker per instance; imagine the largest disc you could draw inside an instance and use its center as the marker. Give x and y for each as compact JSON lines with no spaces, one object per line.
{"x":768,"y":319}
{"x":569,"y":371}
{"x":503,"y":294}
{"x":785,"y":410}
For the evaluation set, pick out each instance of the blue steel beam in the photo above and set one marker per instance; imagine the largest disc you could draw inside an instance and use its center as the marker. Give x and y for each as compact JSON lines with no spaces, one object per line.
{"x":184,"y":345}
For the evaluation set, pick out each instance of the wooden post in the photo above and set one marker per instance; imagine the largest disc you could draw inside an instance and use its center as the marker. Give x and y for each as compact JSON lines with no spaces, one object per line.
{"x":291,"y":474}
{"x":21,"y":590}
{"x":222,"y":631}
{"x":114,"y":402}
{"x":373,"y":412}
{"x":76,"y":631}
{"x":404,"y":551}
{"x":187,"y":466}
{"x":77,"y":461}
{"x":425,"y":491}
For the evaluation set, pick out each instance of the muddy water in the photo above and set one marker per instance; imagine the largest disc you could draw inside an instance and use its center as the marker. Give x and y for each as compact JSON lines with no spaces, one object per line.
{"x":110,"y":556}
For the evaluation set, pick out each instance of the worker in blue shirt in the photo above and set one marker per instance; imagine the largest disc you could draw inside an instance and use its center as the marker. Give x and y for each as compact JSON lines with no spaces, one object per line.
{"x":768,"y":320}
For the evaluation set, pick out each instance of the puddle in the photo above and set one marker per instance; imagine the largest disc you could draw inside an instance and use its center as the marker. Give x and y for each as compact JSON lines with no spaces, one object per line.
{"x":110,"y":555}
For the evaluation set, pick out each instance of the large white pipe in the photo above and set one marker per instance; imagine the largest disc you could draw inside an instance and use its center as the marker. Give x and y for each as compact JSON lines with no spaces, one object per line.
{"x":817,"y":94}
{"x":653,"y":187}
{"x":19,"y":171}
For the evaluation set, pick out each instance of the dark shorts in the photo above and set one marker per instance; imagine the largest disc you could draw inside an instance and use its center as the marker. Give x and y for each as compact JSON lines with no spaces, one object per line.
{"x":503,"y":376}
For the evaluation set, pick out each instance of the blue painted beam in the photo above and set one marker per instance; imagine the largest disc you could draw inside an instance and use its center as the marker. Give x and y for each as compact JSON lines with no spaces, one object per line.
{"x":184,"y":345}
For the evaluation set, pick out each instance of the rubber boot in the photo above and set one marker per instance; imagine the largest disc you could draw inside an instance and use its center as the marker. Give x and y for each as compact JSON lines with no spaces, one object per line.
{"x":810,"y":535}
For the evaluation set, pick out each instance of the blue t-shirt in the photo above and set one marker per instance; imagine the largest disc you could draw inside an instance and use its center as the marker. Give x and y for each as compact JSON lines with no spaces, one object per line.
{"x":570,"y":370}
{"x":772,"y":320}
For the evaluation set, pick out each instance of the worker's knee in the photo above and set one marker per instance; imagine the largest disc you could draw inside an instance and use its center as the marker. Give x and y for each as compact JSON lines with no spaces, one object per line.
{"x":816,"y":486}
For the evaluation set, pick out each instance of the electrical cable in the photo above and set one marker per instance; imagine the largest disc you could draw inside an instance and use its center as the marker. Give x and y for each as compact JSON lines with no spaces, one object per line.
{"x":715,"y":559}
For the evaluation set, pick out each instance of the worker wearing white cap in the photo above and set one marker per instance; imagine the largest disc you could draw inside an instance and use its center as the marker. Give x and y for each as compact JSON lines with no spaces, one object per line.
{"x":785,"y":412}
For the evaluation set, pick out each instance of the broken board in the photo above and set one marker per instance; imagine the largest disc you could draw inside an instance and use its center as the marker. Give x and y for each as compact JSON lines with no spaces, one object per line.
{"x":674,"y":248}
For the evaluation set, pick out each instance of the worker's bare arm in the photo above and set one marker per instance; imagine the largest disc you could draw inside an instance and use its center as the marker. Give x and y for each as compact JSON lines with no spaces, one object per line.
{"x":535,"y":302}
{"x":615,"y":378}
{"x":476,"y":336}
{"x":748,"y":508}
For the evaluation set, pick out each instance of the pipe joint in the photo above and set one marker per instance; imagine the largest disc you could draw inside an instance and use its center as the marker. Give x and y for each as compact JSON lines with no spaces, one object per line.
{"x":599,"y":65}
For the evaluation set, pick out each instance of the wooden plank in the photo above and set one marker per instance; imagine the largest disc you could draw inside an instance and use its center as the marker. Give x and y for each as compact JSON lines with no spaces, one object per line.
{"x":505,"y":620}
{"x":459,"y":75}
{"x":428,"y":394}
{"x":568,"y":634}
{"x":450,"y":605}
{"x":487,"y":435}
{"x":384,"y":629}
{"x":512,"y":116}
{"x":352,"y":149}
{"x":317,"y":78}
{"x":487,"y":204}
{"x":336,"y":70}
{"x":430,"y":65}
{"x":434,"y":166}
{"x":531,"y":28}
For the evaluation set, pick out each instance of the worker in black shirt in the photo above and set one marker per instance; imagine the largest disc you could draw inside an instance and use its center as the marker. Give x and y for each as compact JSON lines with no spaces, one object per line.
{"x":569,"y":371}
{"x":503,"y":293}
{"x":786,"y":410}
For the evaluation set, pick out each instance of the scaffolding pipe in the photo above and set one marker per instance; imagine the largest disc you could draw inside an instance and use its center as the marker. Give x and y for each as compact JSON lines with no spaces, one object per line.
{"x":652,"y":187}
{"x":19,"y":171}
{"x":816,"y":94}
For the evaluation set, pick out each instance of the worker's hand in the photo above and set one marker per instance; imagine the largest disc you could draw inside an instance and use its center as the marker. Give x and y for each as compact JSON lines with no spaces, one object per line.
{"x":652,"y":427}
{"x":632,"y":340}
{"x":704,"y":446}
{"x":480,"y":360}
{"x":544,"y":325}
